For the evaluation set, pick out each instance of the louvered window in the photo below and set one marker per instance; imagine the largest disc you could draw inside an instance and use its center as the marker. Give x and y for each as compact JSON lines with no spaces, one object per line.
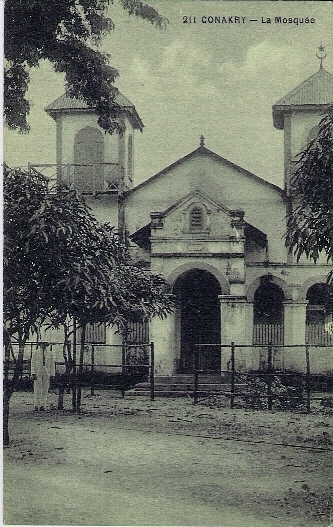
{"x":196,"y":219}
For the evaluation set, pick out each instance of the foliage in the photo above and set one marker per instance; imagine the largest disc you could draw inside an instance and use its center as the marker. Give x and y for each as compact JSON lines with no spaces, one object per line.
{"x":310,"y":224}
{"x":60,"y":261}
{"x":284,"y":397}
{"x":66,"y":33}
{"x":26,"y":300}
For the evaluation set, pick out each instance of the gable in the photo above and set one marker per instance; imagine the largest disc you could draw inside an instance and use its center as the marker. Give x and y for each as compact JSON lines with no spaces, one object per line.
{"x":216,"y":178}
{"x":196,"y":216}
{"x":226,"y":184}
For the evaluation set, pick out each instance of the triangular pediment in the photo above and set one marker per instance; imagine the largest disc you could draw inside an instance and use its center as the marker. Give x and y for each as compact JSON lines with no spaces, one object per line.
{"x":204,"y":154}
{"x":196,"y":215}
{"x":195,"y":197}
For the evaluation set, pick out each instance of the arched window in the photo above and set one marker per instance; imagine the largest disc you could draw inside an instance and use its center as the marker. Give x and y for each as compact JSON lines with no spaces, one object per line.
{"x":88,"y":160}
{"x":312,"y":134}
{"x":319,"y":314}
{"x":320,"y":303}
{"x":196,"y":219}
{"x":268,"y":320}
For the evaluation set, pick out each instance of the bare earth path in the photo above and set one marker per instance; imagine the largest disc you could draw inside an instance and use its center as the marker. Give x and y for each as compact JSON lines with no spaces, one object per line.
{"x":133,"y":462}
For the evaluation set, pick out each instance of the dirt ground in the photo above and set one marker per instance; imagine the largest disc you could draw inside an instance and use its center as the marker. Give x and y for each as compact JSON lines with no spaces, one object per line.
{"x":168,"y":462}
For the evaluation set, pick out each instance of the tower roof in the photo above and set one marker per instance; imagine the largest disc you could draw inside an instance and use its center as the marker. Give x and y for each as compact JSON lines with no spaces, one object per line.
{"x":65,"y":104}
{"x":315,"y":92}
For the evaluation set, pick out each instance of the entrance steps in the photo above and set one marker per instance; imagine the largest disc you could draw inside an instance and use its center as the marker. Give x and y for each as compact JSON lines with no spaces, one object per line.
{"x":182,"y":385}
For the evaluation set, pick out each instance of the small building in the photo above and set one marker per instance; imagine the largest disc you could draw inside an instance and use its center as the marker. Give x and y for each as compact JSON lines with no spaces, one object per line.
{"x":215,"y":231}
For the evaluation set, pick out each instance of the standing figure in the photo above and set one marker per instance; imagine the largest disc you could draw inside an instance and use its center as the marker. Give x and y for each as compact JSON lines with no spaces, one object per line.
{"x":42,"y":370}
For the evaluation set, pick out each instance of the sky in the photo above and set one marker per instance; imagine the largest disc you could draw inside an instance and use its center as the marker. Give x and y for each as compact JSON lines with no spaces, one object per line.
{"x":193,"y":79}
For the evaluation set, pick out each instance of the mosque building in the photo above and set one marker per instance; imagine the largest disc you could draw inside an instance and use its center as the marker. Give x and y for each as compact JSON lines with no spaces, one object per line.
{"x":215,"y":231}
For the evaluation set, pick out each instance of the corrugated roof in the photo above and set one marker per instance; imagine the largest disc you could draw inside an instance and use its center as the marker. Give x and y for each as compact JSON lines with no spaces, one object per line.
{"x":65,"y":103}
{"x":317,"y":90}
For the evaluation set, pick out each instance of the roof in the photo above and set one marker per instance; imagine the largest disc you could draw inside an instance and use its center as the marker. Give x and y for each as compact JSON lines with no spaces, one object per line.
{"x":66,"y":104}
{"x":202,"y":150}
{"x":315,"y":92}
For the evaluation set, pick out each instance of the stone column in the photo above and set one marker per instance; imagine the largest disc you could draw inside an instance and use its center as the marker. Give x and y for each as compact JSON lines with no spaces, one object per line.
{"x":233,"y":328}
{"x":162,"y":334}
{"x":294,"y":333}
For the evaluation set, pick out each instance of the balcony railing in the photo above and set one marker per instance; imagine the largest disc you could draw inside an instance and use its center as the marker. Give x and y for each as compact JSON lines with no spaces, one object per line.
{"x":319,"y":335}
{"x":264,"y":334}
{"x":88,"y":178}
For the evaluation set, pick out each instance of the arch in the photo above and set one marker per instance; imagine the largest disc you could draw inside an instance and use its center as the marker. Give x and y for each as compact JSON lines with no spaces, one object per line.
{"x":275,"y":280}
{"x":198,"y":310}
{"x":89,"y":133}
{"x":312,"y":134}
{"x":319,"y":279}
{"x":88,"y":158}
{"x":222,"y":280}
{"x":268,"y":304}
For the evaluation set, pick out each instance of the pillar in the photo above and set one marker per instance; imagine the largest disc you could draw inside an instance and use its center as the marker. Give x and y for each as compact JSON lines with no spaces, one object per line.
{"x":294,"y":334}
{"x":233,"y":328}
{"x":162,"y":334}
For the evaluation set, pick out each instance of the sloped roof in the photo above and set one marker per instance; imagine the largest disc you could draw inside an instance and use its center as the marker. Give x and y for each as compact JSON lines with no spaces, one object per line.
{"x":65,"y":104}
{"x":314,"y":92}
{"x":202,"y":150}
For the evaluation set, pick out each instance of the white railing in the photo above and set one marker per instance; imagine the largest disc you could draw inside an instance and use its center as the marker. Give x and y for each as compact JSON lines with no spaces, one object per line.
{"x":317,"y":335}
{"x":268,"y":334}
{"x":87,"y":178}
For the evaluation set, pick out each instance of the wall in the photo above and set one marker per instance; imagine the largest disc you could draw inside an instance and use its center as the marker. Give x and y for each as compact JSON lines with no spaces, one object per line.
{"x":220,"y":182}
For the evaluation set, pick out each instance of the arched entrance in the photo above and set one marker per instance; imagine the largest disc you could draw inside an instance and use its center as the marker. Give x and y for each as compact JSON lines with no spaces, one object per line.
{"x":199,"y":313}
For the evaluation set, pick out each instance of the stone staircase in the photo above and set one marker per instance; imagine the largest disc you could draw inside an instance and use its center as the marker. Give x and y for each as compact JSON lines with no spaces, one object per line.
{"x":181,"y":385}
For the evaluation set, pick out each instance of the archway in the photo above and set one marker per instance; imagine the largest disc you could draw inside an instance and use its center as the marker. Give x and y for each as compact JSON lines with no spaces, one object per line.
{"x":320,"y":303}
{"x":268,"y":313}
{"x":197,"y":292}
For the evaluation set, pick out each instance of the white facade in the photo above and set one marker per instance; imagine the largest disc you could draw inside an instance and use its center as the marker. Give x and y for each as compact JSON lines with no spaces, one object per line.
{"x":216,"y":233}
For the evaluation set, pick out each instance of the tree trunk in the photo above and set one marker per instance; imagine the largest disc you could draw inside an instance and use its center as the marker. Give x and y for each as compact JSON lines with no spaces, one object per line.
{"x":79,"y":380}
{"x":10,"y":384}
{"x":7,"y":393}
{"x":74,"y":368}
{"x":68,"y":367}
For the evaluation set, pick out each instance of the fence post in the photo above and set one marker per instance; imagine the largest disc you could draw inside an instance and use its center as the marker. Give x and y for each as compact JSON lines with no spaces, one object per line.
{"x":74,"y":403}
{"x":196,"y":373}
{"x":308,"y":378}
{"x":152,"y":367}
{"x":232,"y":397}
{"x":269,"y":378}
{"x":92,"y":369}
{"x":123,"y":368}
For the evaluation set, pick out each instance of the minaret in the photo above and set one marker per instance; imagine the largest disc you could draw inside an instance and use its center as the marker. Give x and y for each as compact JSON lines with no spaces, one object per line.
{"x":299,"y":113}
{"x":88,"y":158}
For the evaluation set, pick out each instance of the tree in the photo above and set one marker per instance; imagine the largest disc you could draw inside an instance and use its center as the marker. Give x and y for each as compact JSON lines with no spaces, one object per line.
{"x":310,"y":223}
{"x":66,"y":33}
{"x":60,"y":263}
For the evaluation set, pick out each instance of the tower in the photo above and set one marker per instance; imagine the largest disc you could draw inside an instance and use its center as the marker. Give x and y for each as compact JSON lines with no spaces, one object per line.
{"x":88,"y":158}
{"x":299,"y":112}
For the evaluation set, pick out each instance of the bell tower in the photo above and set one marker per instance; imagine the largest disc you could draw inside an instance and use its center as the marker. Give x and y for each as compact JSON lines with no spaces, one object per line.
{"x":88,"y":158}
{"x":299,"y":112}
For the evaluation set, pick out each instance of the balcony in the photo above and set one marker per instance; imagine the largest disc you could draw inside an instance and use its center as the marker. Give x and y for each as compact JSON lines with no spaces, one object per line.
{"x":93,"y":178}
